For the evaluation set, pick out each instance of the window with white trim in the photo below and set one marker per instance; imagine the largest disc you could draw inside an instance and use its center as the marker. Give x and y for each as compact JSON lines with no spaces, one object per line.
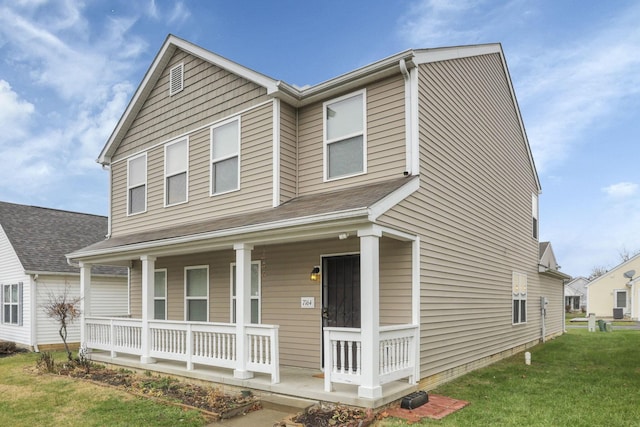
{"x":176,"y":79}
{"x":621,"y":298}
{"x":255,"y":292}
{"x":12,"y":304}
{"x":345,"y":145}
{"x":519,"y":297}
{"x":534,"y":214}
{"x":176,"y":172}
{"x":225,"y":157}
{"x":196,"y":293}
{"x":137,"y":184}
{"x":160,"y":295}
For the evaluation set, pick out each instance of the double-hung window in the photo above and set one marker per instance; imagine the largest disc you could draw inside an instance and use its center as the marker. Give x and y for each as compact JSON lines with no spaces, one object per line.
{"x":519,"y":291}
{"x":12,"y":304}
{"x":137,"y":184}
{"x":345,"y":139}
{"x":196,"y":293}
{"x":225,"y":156}
{"x":255,"y":292}
{"x":176,"y":168}
{"x":160,"y":295}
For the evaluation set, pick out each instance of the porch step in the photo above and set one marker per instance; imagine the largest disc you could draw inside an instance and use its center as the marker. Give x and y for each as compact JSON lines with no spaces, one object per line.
{"x":288,"y":404}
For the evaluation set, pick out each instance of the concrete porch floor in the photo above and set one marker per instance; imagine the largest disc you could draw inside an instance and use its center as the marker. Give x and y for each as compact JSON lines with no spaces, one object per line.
{"x":296,"y":383}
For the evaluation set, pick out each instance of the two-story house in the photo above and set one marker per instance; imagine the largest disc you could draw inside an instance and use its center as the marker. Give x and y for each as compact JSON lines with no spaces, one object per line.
{"x":365,"y":236}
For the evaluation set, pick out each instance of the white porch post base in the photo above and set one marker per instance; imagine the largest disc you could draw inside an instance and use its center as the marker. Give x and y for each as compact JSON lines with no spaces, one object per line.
{"x":370,"y":392}
{"x":242,"y":375}
{"x":147,"y":359}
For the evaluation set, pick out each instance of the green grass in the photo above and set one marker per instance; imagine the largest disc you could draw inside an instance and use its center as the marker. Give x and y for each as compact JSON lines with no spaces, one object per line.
{"x":30,"y":399}
{"x":578,"y":379}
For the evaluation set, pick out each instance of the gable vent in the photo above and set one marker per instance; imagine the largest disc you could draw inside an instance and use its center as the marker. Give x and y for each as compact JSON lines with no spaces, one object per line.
{"x":176,"y":79}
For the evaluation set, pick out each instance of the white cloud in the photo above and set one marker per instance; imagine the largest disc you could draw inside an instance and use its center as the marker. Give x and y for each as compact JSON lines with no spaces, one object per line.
{"x":621,"y":190}
{"x":179,"y":14}
{"x":15,"y":114}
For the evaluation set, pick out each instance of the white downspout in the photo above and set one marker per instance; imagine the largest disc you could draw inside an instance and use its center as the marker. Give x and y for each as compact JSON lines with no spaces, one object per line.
{"x":408,"y":116}
{"x":108,"y":168}
{"x":34,"y":314}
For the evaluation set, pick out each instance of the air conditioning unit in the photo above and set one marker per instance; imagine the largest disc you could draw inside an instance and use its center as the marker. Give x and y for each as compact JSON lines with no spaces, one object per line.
{"x":618,"y":313}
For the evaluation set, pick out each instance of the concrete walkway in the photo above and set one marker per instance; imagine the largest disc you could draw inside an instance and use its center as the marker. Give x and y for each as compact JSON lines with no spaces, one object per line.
{"x":274,"y":409}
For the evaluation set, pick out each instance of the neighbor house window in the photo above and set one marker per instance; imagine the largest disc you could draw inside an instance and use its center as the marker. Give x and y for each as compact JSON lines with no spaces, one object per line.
{"x":534,"y":215}
{"x":137,"y":184}
{"x":176,"y":165}
{"x":196,"y":293}
{"x":621,"y":299}
{"x":160,"y":295}
{"x":255,"y":292}
{"x":12,"y":304}
{"x":176,"y":79}
{"x":225,"y":157}
{"x":345,"y":145}
{"x":519,"y":290}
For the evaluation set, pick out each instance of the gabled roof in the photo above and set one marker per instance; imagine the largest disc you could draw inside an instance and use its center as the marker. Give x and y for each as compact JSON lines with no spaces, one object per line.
{"x":365,"y":202}
{"x":398,"y":63}
{"x":621,"y":268}
{"x":41,"y":237}
{"x":548,"y":264}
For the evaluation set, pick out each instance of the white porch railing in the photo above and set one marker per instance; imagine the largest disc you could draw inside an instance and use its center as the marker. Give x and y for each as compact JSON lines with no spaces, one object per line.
{"x":211,"y":344}
{"x":343,"y":356}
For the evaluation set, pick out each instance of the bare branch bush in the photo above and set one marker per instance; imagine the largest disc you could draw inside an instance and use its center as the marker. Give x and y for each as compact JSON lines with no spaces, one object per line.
{"x":64,"y":310}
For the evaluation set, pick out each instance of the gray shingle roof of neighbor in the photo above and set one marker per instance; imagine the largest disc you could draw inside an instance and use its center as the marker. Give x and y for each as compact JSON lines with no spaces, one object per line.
{"x":334,"y":201}
{"x":41,"y":237}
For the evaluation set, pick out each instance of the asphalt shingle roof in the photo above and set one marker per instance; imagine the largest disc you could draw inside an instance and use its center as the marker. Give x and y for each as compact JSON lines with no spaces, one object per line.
{"x":41,"y":237}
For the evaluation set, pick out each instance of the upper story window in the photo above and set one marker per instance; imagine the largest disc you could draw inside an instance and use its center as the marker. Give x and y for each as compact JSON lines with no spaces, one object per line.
{"x":345,"y":145}
{"x":176,"y":166}
{"x":225,"y":157}
{"x":137,"y":184}
{"x":534,"y":215}
{"x":519,"y":297}
{"x":176,"y":79}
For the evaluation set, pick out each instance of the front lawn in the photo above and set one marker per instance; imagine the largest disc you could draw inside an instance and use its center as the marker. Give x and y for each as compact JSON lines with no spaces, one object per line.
{"x":31,"y":399}
{"x":579,"y":379}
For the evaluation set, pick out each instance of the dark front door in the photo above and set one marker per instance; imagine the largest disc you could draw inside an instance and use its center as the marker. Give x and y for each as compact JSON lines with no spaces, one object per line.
{"x":341,"y":300}
{"x":341,"y":291}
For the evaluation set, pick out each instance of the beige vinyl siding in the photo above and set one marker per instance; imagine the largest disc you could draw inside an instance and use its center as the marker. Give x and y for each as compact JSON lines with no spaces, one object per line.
{"x":385,"y":139}
{"x":284,"y":280}
{"x":288,"y":152}
{"x":473,"y":213}
{"x":256,"y":177}
{"x":210,"y":93}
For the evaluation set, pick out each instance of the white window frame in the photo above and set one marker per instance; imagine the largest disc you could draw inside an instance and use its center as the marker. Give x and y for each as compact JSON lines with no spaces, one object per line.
{"x":213,"y":160}
{"x":188,"y":298}
{"x":232,"y":297}
{"x":18,"y":303}
{"x":157,"y":298}
{"x":535,"y":223}
{"x":519,"y":288}
{"x":172,"y":77}
{"x":131,"y":187}
{"x":185,"y":171}
{"x":327,"y":141}
{"x":615,"y":298}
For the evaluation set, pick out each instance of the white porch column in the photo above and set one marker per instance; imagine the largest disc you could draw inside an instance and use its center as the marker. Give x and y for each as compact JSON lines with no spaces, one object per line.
{"x":243,"y":307}
{"x":370,"y":311}
{"x":148,"y":278}
{"x":85,"y":301}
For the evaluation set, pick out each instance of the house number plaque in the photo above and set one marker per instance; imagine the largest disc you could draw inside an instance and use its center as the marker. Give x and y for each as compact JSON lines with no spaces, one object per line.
{"x":307,"y":302}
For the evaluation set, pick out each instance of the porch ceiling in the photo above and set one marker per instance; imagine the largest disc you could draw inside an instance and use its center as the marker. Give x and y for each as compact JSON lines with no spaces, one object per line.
{"x":331,"y":208}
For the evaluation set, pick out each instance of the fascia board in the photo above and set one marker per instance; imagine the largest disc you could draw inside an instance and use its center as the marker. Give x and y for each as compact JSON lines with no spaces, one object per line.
{"x":425,"y":56}
{"x":392,"y":199}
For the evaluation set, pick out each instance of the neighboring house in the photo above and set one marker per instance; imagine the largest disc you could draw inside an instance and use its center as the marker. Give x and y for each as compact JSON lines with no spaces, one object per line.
{"x":34,"y":271}
{"x":379,"y":226}
{"x":575,"y":294}
{"x":615,"y":293}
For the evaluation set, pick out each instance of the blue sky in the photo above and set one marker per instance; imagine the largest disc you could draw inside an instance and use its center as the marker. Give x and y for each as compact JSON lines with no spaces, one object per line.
{"x":69,"y":68}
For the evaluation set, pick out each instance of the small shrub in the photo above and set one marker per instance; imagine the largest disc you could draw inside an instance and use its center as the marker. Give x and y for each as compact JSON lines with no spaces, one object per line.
{"x":45,"y":362}
{"x":83,"y":361}
{"x":8,"y":347}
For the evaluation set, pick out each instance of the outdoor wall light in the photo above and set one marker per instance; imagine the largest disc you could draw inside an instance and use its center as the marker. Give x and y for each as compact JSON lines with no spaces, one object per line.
{"x":315,"y":274}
